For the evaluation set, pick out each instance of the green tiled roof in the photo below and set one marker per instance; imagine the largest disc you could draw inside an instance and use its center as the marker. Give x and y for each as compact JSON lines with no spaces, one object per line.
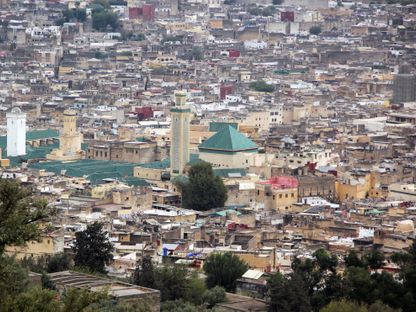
{"x":164,"y":164}
{"x":95,"y":170}
{"x":30,"y":135}
{"x":228,"y":140}
{"x":215,"y":126}
{"x":223,"y":213}
{"x":226,"y":172}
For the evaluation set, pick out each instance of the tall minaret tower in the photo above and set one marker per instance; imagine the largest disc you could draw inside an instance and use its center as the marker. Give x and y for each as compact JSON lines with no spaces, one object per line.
{"x":16,"y":132}
{"x":179,"y":150}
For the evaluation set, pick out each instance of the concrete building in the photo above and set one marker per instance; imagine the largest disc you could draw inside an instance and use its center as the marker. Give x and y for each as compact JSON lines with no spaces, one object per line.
{"x":130,"y":151}
{"x":228,"y":148}
{"x":16,"y":133}
{"x":404,"y":88}
{"x":69,"y":141}
{"x":119,"y":291}
{"x":181,"y":115}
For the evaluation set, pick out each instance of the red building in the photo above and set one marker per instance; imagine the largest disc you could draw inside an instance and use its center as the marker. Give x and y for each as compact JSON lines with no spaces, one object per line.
{"x":148,"y":12}
{"x":144,"y":112}
{"x":225,"y":90}
{"x":233,"y":53}
{"x":135,"y":13}
{"x":287,"y":16}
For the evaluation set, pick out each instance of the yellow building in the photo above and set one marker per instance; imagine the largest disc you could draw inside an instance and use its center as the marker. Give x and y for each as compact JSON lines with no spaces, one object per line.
{"x":49,"y":243}
{"x":277,"y":193}
{"x":358,"y":187}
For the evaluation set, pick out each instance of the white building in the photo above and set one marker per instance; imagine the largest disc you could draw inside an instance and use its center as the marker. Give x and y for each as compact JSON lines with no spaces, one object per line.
{"x":179,"y":151}
{"x":16,"y":133}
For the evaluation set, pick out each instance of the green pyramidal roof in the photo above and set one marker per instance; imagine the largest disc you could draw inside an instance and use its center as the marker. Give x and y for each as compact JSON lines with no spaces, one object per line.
{"x":228,"y":139}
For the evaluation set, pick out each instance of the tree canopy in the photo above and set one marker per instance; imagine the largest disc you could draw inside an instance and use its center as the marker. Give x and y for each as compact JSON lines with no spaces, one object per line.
{"x":204,"y":190}
{"x":178,"y":288}
{"x":20,"y":214}
{"x":144,"y":274}
{"x":288,"y":295}
{"x":92,"y":248}
{"x":103,"y":17}
{"x":262,"y":86}
{"x":315,"y":30}
{"x":223,"y":269}
{"x":316,"y":281}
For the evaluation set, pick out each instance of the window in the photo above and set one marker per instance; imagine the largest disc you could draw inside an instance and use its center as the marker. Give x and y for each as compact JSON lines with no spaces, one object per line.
{"x":293,"y":195}
{"x":274,"y":197}
{"x":280,"y":195}
{"x":286,"y":195}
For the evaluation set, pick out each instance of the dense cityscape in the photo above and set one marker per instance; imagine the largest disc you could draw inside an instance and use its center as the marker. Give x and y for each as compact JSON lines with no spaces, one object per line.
{"x":207,"y":155}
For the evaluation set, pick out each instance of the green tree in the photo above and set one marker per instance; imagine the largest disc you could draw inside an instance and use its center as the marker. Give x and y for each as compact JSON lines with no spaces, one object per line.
{"x":20,"y":214}
{"x":179,"y":306}
{"x":213,"y":296}
{"x":104,"y":4}
{"x":58,"y":262}
{"x":13,"y":281}
{"x":387,"y":289}
{"x":315,"y":30}
{"x":92,"y":248}
{"x":36,"y":300}
{"x":268,"y":11}
{"x":375,"y":259}
{"x":196,"y":290}
{"x":144,"y":275}
{"x":344,"y":306}
{"x":352,"y":260}
{"x":325,"y":261}
{"x":47,"y":282}
{"x":204,"y":190}
{"x":360,"y":287}
{"x":196,"y":53}
{"x":103,"y":16}
{"x":103,"y":19}
{"x":379,"y":306}
{"x":172,"y":281}
{"x":80,"y":300}
{"x":262,"y":86}
{"x":288,"y":294}
{"x":223,"y":269}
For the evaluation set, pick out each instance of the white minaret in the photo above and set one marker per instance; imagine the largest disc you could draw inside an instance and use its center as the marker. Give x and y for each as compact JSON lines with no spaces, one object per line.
{"x":179,"y":150}
{"x":16,"y":132}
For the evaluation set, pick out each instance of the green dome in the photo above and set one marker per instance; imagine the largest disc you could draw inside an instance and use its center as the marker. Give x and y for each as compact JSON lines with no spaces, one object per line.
{"x":228,"y":140}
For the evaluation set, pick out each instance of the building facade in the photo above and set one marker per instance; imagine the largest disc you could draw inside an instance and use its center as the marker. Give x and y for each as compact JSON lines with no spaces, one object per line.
{"x":181,"y":115}
{"x":16,"y":133}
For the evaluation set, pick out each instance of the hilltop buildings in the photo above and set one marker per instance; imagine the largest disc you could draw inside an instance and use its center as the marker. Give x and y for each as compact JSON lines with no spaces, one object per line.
{"x":313,"y":135}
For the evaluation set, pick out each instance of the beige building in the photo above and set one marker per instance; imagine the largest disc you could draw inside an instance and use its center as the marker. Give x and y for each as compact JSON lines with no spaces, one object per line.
{"x":50,"y":242}
{"x":69,"y":141}
{"x":179,"y":152}
{"x":277,"y":193}
{"x":263,"y":120}
{"x":228,"y":148}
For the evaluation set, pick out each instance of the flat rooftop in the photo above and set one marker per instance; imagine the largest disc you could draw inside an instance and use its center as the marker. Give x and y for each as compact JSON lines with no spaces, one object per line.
{"x":115,"y":288}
